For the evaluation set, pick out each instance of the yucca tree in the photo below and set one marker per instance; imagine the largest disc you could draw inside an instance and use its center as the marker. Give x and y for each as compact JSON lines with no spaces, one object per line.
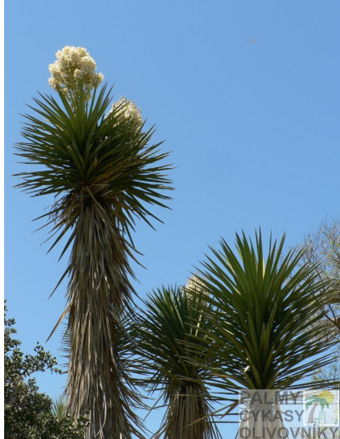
{"x":165,"y":331}
{"x":264,"y":309}
{"x":103,"y":172}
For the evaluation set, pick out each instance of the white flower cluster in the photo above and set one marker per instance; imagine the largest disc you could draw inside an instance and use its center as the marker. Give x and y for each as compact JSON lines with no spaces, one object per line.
{"x":74,"y":68}
{"x":196,"y":285}
{"x":128,"y":110}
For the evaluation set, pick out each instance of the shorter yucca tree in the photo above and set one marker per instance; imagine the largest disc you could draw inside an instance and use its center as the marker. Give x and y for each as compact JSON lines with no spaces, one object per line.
{"x":59,"y":407}
{"x":265,"y":310}
{"x":165,"y":332}
{"x":98,"y":163}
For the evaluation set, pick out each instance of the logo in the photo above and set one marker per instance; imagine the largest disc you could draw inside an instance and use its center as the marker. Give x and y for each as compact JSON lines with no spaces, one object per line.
{"x":286,"y":414}
{"x":321,"y":407}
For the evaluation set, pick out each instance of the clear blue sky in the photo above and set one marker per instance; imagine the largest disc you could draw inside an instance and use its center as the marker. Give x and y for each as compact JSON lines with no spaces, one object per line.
{"x":254,"y":128}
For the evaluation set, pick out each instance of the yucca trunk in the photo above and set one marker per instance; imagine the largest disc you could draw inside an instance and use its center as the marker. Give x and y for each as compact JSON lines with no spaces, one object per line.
{"x":263,"y":418}
{"x":98,"y":289}
{"x":186,"y":406}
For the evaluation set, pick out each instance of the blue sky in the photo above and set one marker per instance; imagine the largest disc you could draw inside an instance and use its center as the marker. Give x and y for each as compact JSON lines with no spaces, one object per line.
{"x":253,"y":128}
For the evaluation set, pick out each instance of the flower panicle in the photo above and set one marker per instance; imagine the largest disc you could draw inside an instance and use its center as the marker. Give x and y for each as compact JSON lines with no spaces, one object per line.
{"x":128,"y":111}
{"x":195,"y":285}
{"x":74,"y":68}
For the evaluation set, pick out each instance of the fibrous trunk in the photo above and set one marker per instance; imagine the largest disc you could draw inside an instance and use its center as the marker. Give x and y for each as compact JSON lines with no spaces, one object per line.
{"x":98,"y":292}
{"x":187,"y":415}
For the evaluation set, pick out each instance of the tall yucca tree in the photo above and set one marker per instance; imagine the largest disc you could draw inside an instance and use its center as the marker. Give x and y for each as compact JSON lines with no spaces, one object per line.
{"x":165,"y":331}
{"x":264,"y":311}
{"x":103,"y":173}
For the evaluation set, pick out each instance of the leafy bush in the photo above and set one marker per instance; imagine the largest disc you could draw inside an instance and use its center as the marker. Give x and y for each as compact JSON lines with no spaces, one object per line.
{"x":28,"y":413}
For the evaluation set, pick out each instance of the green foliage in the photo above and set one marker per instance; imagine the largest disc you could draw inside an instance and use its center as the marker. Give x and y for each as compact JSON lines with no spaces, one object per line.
{"x":28,"y":413}
{"x":88,"y":157}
